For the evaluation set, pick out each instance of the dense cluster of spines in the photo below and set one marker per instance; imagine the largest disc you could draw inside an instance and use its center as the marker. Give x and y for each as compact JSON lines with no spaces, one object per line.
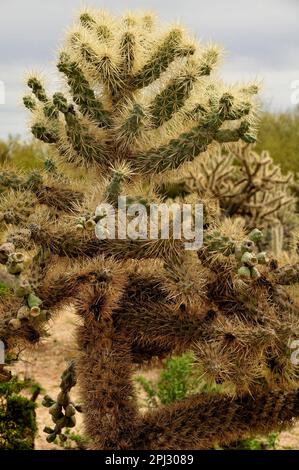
{"x":245,"y":184}
{"x":140,"y":104}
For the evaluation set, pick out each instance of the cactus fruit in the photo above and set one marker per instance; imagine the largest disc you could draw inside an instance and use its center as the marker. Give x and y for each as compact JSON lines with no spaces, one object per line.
{"x":62,"y":410}
{"x":141,"y":107}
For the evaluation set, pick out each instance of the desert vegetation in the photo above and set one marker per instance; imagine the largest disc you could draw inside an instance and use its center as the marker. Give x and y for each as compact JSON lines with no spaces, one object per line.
{"x":142,"y":115}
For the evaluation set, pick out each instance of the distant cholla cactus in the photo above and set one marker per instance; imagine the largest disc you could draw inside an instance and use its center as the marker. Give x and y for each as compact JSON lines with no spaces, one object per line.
{"x":141,"y":103}
{"x":245,"y":184}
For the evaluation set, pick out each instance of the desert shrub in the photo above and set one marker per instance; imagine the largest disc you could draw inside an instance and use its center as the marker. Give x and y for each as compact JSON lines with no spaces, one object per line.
{"x":17,"y":415}
{"x":279,"y":134}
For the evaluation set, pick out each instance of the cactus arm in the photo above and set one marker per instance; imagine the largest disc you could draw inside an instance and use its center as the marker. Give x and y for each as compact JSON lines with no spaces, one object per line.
{"x":287,"y":275}
{"x":89,"y":145}
{"x":202,"y":421}
{"x":105,"y":67}
{"x":167,"y":51}
{"x":83,"y":95}
{"x":67,"y":241}
{"x":172,"y":98}
{"x":190,"y":144}
{"x":199,"y":421}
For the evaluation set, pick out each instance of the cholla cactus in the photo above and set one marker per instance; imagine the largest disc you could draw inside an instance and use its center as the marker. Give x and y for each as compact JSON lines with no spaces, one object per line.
{"x":245,"y":184}
{"x":141,"y":102}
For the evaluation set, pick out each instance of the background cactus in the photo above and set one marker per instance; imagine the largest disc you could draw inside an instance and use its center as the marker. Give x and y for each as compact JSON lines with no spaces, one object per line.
{"x":140,"y":104}
{"x":246,"y":184}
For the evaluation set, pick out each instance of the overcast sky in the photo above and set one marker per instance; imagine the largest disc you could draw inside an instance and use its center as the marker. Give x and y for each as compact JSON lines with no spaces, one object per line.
{"x":260,"y":37}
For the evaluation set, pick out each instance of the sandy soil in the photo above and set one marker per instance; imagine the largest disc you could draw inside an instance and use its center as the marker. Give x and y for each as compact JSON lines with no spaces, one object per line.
{"x":48,"y":360}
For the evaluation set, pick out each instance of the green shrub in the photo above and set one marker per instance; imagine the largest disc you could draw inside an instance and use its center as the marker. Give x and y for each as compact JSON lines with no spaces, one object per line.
{"x":279,"y":134}
{"x":17,"y":416}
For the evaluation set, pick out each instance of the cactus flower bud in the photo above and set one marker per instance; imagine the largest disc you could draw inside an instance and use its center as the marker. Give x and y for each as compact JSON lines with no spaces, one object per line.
{"x":249,"y":259}
{"x":33,"y":301}
{"x":71,"y":422}
{"x":23,"y":288}
{"x":255,"y":273}
{"x":17,"y":257}
{"x":5,"y":250}
{"x":48,"y":430}
{"x":23,"y":312}
{"x":243,"y":271}
{"x":255,"y":235}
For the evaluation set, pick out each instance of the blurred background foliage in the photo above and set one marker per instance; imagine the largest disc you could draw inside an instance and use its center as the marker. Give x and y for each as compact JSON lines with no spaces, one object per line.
{"x":279,"y":134}
{"x":26,"y":155}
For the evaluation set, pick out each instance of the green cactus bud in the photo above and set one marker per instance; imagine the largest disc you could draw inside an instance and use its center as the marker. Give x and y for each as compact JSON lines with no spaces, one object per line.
{"x":79,"y":227}
{"x":243,"y":271}
{"x":50,"y":111}
{"x":17,"y":257}
{"x":44,"y":133}
{"x":255,"y":273}
{"x":37,"y":88}
{"x":60,"y":423}
{"x":262,"y":258}
{"x":61,"y":103}
{"x":23,"y":288}
{"x":249,"y":259}
{"x":33,"y":301}
{"x":255,"y":235}
{"x":23,"y":313}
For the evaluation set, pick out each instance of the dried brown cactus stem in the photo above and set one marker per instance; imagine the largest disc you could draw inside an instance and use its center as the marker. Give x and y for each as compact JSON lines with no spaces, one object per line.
{"x":202,"y":421}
